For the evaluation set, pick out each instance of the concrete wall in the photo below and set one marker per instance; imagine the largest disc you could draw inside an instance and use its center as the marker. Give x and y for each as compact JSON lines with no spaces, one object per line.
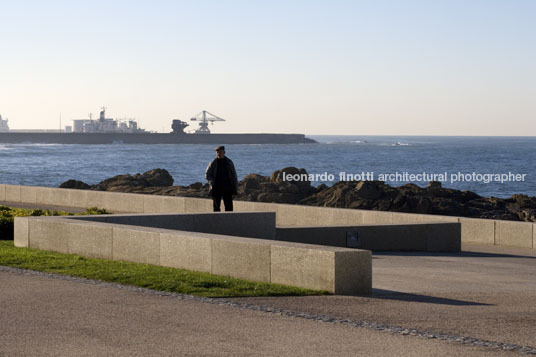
{"x":435,"y":237}
{"x":337,"y":270}
{"x":480,"y":231}
{"x":243,"y":224}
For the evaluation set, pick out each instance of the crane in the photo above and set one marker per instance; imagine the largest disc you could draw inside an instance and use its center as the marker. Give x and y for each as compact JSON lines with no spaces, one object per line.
{"x":204,"y":118}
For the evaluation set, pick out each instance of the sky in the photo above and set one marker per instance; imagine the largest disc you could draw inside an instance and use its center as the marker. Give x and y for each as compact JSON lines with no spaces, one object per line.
{"x":314,"y":67}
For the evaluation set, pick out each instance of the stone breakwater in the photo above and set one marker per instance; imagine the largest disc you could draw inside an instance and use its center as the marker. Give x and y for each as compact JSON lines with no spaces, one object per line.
{"x":370,"y":195}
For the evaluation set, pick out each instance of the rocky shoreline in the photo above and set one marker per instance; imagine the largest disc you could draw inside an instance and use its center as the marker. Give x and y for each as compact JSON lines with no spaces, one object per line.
{"x":370,"y":195}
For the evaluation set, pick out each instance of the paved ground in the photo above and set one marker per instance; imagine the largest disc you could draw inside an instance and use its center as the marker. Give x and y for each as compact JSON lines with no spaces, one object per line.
{"x":488,"y":296}
{"x":43,"y":316}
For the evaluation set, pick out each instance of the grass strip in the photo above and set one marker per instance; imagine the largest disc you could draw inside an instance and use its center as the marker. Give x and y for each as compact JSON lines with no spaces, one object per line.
{"x":142,"y":275}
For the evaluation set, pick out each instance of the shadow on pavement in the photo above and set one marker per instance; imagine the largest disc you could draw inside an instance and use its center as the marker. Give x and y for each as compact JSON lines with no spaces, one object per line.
{"x":396,"y":295}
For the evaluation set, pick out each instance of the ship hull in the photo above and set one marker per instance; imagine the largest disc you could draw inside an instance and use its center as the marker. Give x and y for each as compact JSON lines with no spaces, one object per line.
{"x":150,"y":138}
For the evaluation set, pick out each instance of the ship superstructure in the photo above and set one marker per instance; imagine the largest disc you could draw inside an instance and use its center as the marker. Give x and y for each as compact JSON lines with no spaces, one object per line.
{"x":3,"y":125}
{"x":105,"y":125}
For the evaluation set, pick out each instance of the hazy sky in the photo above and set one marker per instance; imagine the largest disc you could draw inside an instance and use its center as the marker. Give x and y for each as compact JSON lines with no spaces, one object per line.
{"x":314,"y":67}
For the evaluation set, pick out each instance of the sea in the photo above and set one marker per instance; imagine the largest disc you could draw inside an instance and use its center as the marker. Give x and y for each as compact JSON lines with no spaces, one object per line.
{"x":489,"y":166}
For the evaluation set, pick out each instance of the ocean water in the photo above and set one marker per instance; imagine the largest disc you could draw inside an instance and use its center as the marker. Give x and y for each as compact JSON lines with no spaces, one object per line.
{"x":451,"y":159}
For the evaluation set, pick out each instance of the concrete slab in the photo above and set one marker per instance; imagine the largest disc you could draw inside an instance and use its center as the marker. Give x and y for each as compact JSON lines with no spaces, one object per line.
{"x":401,"y":217}
{"x":28,"y":194}
{"x":163,"y":204}
{"x":477,"y":231}
{"x":377,"y":217}
{"x":197,"y":205}
{"x":136,"y":245}
{"x":12,"y":193}
{"x":91,"y":240}
{"x":513,"y":234}
{"x":21,"y":232}
{"x":241,"y":259}
{"x":353,"y":272}
{"x":306,"y":268}
{"x":47,"y":195}
{"x":49,"y":234}
{"x":186,"y":252}
{"x":121,"y":202}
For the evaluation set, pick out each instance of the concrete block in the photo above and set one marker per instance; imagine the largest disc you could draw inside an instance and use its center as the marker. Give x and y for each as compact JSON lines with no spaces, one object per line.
{"x":91,"y":240}
{"x":353,"y":272}
{"x":186,"y":251}
{"x":28,"y":194}
{"x":53,"y":196}
{"x":49,"y":234}
{"x":2,"y":192}
{"x":21,"y":234}
{"x":241,"y":258}
{"x":302,"y":267}
{"x":197,"y":205}
{"x":135,"y":245}
{"x":513,"y":234}
{"x":163,"y":204}
{"x":12,"y":193}
{"x":477,"y":231}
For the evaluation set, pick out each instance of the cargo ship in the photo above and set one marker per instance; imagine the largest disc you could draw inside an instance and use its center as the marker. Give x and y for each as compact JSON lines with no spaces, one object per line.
{"x":126,"y":131}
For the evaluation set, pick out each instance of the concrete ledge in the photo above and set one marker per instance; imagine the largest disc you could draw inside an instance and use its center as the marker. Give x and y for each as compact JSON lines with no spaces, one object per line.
{"x":243,"y":224}
{"x":135,"y":245}
{"x":313,"y":267}
{"x":242,"y":258}
{"x":478,"y":231}
{"x":3,"y":193}
{"x":90,"y":240}
{"x":163,"y":204}
{"x":49,"y":234}
{"x":186,"y":251}
{"x":12,"y":193}
{"x":21,"y":232}
{"x":514,"y":234}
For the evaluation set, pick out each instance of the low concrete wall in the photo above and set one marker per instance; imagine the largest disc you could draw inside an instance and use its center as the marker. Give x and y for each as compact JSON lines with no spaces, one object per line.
{"x":337,"y":270}
{"x":481,"y":231}
{"x":243,"y":224}
{"x":445,"y":237}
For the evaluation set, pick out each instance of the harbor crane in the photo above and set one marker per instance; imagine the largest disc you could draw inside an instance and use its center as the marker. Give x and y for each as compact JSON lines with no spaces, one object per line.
{"x":204,"y":118}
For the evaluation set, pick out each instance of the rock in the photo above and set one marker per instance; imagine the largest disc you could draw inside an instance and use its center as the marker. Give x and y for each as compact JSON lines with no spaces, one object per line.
{"x":196,"y":186}
{"x":158,"y":178}
{"x":368,"y":190}
{"x":78,"y":185}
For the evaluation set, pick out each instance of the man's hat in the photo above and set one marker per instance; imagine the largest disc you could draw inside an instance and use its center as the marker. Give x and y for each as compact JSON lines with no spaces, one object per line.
{"x":221,"y":147}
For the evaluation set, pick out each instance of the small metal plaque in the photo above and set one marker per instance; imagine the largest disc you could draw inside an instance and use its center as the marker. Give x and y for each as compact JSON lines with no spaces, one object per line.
{"x":352,"y":240}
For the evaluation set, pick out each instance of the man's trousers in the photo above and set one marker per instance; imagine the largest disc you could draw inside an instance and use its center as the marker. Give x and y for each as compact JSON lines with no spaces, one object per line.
{"x":227,"y":201}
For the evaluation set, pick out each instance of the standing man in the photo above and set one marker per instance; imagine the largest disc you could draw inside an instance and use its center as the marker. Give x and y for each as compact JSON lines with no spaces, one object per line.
{"x":221,"y":176}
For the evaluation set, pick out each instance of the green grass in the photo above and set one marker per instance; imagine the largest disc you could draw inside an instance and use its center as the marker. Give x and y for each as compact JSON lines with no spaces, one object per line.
{"x":7,"y":215}
{"x":142,"y":275}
